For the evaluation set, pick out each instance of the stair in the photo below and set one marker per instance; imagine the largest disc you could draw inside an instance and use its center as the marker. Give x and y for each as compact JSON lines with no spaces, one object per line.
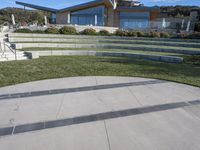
{"x":9,"y":56}
{"x":6,"y":52}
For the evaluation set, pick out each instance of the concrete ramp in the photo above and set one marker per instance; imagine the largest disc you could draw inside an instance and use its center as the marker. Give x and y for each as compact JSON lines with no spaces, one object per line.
{"x":101,"y":113}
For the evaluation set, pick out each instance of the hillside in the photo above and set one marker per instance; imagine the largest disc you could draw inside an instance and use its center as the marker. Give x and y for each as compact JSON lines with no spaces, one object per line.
{"x":22,"y":16}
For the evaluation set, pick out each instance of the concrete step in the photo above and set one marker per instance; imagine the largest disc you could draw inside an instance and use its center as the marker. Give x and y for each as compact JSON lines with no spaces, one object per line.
{"x":3,"y":59}
{"x":13,"y":58}
{"x":99,"y":41}
{"x":18,"y":58}
{"x":24,"y":35}
{"x":9,"y":56}
{"x":12,"y":54}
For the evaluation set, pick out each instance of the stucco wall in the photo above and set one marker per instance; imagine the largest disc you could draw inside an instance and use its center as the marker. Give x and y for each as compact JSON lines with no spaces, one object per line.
{"x":62,"y":18}
{"x":110,"y":17}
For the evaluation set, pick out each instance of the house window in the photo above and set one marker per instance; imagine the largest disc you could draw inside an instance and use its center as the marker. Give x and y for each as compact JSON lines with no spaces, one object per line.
{"x":134,"y":20}
{"x":92,"y":16}
{"x":53,"y":18}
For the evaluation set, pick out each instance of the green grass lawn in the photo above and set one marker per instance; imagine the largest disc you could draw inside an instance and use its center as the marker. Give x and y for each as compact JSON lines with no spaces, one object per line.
{"x":68,"y":66}
{"x":100,"y":49}
{"x":125,"y":45}
{"x":111,"y":38}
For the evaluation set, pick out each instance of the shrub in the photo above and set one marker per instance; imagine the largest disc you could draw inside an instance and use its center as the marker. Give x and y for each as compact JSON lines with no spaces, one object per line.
{"x":89,"y":31}
{"x":164,"y":35}
{"x":68,"y":30}
{"x":132,"y":33}
{"x":140,"y":34}
{"x":154,"y":34}
{"x":52,"y":30}
{"x":104,"y":32}
{"x":197,"y":27}
{"x":181,"y":35}
{"x":195,"y":35}
{"x":25,"y":30}
{"x":38,"y":31}
{"x":121,"y":32}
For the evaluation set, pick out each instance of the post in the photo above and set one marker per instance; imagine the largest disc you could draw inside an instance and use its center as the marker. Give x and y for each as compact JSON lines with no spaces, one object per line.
{"x":15,"y":54}
{"x":164,"y":23}
{"x":182,"y":25}
{"x":95,"y":20}
{"x":68,"y":18}
{"x":188,"y":26}
{"x":45,"y":20}
{"x":13,"y":19}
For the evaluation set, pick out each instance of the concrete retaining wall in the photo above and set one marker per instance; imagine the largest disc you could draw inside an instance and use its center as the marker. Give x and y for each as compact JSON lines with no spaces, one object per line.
{"x":54,"y":40}
{"x":107,"y":46}
{"x":169,"y":59}
{"x":99,"y":37}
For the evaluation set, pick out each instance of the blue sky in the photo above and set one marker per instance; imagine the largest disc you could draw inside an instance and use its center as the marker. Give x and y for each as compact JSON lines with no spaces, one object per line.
{"x":65,"y":3}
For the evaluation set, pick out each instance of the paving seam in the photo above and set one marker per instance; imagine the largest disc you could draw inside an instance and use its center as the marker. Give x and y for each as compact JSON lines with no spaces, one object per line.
{"x":78,"y":89}
{"x":93,"y":118}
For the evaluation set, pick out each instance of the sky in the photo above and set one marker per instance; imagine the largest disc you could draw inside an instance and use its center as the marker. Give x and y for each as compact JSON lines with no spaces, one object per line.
{"x":65,"y":3}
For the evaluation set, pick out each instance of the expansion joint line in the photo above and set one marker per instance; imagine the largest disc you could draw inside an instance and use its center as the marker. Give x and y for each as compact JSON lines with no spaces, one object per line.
{"x":107,"y":136}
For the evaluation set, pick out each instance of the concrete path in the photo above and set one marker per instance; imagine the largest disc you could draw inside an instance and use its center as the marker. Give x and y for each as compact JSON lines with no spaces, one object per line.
{"x":100,"y":113}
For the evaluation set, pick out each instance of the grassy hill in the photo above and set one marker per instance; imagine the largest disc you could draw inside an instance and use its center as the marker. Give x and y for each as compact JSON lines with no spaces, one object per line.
{"x":22,"y":16}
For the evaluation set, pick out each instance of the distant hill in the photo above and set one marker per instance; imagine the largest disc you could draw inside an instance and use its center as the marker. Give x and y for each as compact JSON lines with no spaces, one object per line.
{"x":176,"y":11}
{"x":181,"y":11}
{"x":22,"y":16}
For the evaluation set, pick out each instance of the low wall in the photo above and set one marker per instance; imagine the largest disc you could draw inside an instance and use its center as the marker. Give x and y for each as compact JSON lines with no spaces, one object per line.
{"x":59,"y":40}
{"x":168,"y":59}
{"x":107,"y":46}
{"x":11,"y":35}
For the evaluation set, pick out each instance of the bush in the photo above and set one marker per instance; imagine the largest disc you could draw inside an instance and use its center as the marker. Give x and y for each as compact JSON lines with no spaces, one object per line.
{"x":52,"y":30}
{"x":25,"y":30}
{"x":38,"y":31}
{"x":154,"y":34}
{"x":68,"y":30}
{"x":197,"y":27}
{"x":164,"y":35}
{"x":140,"y":34}
{"x":89,"y":31}
{"x":195,"y":35}
{"x":104,"y":32}
{"x":121,"y":32}
{"x":181,"y":35}
{"x":132,"y":33}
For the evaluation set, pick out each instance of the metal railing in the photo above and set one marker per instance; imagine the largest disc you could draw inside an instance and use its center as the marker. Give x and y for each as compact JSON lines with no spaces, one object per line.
{"x":3,"y":49}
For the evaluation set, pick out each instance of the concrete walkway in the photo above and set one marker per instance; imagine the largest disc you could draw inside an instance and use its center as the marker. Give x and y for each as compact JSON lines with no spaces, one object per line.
{"x":100,"y":113}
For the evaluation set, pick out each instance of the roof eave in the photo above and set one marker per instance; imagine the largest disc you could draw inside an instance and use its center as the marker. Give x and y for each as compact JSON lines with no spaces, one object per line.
{"x":138,"y":8}
{"x":108,"y":3}
{"x":37,"y":7}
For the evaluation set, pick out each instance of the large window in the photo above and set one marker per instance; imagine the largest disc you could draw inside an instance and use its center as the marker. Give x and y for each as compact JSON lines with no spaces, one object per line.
{"x":53,"y":18}
{"x":92,"y":16}
{"x":134,"y":20}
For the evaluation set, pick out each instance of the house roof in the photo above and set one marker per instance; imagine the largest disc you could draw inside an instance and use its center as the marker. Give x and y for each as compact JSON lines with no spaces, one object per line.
{"x":37,"y":7}
{"x":108,"y":3}
{"x":122,"y":8}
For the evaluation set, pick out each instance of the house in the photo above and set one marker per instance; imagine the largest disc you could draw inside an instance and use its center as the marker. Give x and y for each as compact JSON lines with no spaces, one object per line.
{"x":110,"y":13}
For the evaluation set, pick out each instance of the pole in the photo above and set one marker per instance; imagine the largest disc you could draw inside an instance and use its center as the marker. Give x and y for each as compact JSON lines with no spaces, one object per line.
{"x":95,"y":20}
